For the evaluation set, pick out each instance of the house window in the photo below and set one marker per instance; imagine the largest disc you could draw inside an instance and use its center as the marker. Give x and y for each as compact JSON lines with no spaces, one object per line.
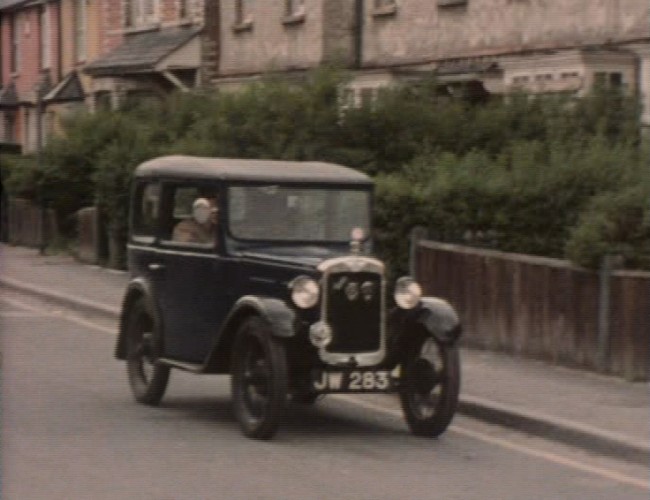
{"x":141,"y":13}
{"x":10,"y":126}
{"x":80,"y":27}
{"x":45,"y":37}
{"x":384,"y":7}
{"x":605,"y":80}
{"x":451,"y":3}
{"x":15,"y":43}
{"x":243,"y":17}
{"x":294,"y":7}
{"x":182,"y":9}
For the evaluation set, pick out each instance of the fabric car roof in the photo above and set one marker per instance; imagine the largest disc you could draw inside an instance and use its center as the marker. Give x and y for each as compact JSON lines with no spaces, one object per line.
{"x":141,"y":52}
{"x":251,"y":170}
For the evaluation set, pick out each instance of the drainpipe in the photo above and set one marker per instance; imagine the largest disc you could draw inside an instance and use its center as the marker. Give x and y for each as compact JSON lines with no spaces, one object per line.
{"x":358,"y":33}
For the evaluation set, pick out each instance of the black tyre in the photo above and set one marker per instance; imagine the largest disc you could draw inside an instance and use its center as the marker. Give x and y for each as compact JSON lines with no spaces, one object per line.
{"x":306,"y":398}
{"x":148,"y":379}
{"x":259,"y":379}
{"x":429,"y":386}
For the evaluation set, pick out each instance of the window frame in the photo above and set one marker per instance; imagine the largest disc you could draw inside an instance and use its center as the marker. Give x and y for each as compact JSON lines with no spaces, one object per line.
{"x":80,"y":30}
{"x":382,"y":8}
{"x":15,"y":58}
{"x":243,"y":16}
{"x":167,"y":221}
{"x":139,"y":14}
{"x":46,"y":37}
{"x":150,"y":236}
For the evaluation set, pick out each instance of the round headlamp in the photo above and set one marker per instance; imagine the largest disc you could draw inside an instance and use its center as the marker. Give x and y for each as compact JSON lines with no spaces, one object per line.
{"x":304,"y":292}
{"x":407,"y":293}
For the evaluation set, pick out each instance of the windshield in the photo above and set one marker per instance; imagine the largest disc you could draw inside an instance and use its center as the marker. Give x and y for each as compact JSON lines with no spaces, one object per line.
{"x":283,"y":213}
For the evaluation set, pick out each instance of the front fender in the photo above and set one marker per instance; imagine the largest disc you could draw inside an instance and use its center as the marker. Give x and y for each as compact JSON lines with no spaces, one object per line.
{"x":433,"y":315}
{"x":274,"y":311}
{"x":280,"y":317}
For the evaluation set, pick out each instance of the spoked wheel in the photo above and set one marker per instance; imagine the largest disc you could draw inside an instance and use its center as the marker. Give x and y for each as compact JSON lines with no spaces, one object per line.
{"x":148,"y":379}
{"x":429,"y":386}
{"x":259,"y":379}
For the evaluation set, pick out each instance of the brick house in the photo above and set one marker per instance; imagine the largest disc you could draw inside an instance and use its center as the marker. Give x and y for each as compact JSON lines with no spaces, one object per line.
{"x":80,"y":36}
{"x":30,"y":64}
{"x":152,"y":47}
{"x":477,"y":47}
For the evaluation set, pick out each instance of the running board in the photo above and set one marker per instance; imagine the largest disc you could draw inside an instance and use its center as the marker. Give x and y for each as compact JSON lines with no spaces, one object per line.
{"x":182,"y":365}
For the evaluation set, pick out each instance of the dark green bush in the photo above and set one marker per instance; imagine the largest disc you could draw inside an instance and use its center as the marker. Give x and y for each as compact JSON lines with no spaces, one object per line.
{"x":614,"y":223}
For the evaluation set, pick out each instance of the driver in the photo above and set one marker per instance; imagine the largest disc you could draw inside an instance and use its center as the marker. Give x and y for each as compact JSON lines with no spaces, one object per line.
{"x":201,"y":227}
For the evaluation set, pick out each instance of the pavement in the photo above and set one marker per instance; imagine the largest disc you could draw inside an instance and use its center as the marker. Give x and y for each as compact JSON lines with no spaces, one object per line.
{"x":601,"y":414}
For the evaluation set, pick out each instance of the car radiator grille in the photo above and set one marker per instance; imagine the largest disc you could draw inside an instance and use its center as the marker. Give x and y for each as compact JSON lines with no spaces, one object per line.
{"x":354,"y":311}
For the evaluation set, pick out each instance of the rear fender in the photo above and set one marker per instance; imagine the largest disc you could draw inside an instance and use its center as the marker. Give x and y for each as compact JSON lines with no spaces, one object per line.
{"x":137,"y":289}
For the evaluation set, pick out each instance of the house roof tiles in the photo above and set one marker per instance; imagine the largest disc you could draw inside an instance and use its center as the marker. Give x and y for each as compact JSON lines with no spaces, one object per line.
{"x":142,"y":51}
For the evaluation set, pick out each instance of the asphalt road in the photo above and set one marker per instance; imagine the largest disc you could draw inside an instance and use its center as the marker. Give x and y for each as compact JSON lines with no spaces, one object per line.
{"x":72,"y":431}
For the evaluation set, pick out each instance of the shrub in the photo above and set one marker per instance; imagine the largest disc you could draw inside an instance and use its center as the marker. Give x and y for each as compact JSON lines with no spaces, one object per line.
{"x":614,"y":223}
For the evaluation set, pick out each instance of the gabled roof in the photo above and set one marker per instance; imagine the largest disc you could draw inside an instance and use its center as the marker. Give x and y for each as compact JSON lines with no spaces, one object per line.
{"x":10,"y":4}
{"x":68,"y":89}
{"x":141,"y":52}
{"x":251,"y":170}
{"x":8,"y":96}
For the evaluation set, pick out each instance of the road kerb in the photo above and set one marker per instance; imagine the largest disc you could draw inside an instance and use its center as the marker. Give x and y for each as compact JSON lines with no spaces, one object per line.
{"x":545,"y":426}
{"x":55,"y":297}
{"x":557,"y":429}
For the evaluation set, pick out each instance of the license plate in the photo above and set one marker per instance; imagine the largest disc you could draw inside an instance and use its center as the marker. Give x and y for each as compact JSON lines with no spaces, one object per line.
{"x":352,"y":381}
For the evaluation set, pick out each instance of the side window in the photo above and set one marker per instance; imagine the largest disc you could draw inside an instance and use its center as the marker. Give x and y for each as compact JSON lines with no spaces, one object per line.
{"x":145,"y":212}
{"x":193,"y":217}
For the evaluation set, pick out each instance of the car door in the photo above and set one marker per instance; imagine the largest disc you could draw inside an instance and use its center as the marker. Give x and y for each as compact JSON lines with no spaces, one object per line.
{"x":188,"y":277}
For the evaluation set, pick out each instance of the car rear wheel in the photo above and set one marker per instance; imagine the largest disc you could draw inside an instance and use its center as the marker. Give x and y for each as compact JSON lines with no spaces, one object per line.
{"x":148,"y":380}
{"x":259,"y":379}
{"x":429,"y":386}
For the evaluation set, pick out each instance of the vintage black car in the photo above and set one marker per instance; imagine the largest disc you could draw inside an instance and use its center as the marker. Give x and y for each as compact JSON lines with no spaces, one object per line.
{"x":263,"y":270}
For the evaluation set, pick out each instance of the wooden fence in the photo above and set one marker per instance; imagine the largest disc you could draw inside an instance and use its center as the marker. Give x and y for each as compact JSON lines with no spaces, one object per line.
{"x":543,"y":308}
{"x":24,"y":222}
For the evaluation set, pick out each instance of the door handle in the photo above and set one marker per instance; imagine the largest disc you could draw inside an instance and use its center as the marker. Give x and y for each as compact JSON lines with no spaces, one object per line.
{"x":156,"y":267}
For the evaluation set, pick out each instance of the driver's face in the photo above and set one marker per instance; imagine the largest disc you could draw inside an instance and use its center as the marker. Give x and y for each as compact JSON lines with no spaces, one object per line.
{"x":214,"y":211}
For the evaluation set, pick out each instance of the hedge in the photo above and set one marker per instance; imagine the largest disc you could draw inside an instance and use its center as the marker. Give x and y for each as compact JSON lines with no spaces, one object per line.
{"x":549,"y":176}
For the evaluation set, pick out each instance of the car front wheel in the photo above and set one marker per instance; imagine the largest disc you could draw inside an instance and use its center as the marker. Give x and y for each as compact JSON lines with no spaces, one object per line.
{"x":429,"y":386}
{"x":148,"y":379}
{"x":259,"y":379}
